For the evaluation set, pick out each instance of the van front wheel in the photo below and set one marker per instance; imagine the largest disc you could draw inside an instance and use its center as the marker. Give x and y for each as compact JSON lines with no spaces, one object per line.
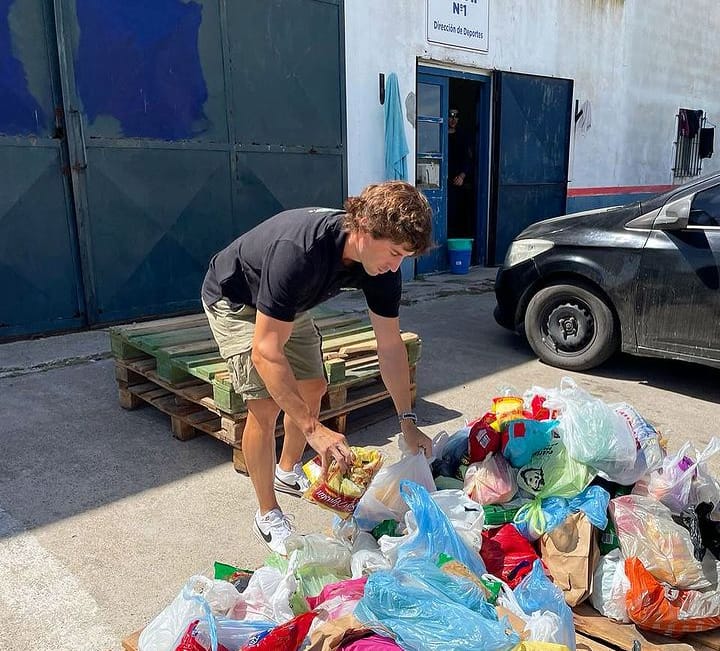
{"x":570,"y":327}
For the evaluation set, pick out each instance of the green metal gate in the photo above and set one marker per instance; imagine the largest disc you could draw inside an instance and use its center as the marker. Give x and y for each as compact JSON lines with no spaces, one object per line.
{"x":188,"y":123}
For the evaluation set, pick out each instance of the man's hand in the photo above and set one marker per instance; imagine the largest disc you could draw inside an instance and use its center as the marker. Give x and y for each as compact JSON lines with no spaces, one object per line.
{"x":459,"y":179}
{"x":415,"y":439}
{"x":330,"y":445}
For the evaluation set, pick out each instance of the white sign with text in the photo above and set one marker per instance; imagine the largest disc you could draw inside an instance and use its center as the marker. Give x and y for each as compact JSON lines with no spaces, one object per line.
{"x":461,"y":23}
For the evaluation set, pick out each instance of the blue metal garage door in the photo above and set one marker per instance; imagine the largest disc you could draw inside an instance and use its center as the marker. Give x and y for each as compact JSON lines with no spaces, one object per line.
{"x":39,"y":277}
{"x":188,"y":122}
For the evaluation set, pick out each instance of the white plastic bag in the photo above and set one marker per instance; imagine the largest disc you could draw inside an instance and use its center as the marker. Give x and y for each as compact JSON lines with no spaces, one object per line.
{"x":491,"y":481}
{"x":610,"y":585}
{"x":382,"y":500}
{"x":200,"y":598}
{"x":317,"y":550}
{"x":593,"y":433}
{"x":673,"y":483}
{"x":466,"y":516}
{"x":267,"y":596}
{"x":646,"y":530}
{"x":366,"y":556}
{"x":541,"y":625}
{"x":364,"y":562}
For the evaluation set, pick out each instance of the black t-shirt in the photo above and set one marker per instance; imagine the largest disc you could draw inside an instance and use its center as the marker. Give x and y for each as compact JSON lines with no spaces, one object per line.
{"x":293,"y":262}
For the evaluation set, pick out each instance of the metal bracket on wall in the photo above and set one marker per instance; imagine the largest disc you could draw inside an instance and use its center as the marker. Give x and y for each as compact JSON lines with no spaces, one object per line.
{"x":381,"y":83}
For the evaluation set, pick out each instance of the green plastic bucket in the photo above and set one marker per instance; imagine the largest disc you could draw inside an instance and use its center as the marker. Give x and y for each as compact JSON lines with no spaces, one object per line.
{"x":460,"y":244}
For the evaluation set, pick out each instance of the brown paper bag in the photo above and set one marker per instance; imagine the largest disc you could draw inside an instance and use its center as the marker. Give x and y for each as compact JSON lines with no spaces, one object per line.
{"x":571,"y":553}
{"x":336,"y":633}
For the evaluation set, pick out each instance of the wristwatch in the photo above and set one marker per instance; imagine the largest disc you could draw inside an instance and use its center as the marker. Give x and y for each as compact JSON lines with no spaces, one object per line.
{"x":408,"y":415}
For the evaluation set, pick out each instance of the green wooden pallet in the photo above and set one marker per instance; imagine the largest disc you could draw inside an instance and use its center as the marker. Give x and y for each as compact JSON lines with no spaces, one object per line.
{"x":184,"y":348}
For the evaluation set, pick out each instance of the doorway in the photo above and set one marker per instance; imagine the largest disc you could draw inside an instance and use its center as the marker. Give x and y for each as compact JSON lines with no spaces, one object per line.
{"x":452,"y":159}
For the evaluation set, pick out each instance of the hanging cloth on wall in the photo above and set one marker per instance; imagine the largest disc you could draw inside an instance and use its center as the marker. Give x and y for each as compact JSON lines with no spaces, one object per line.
{"x":689,"y":122}
{"x":707,"y":142}
{"x":694,"y":120}
{"x":396,"y":147}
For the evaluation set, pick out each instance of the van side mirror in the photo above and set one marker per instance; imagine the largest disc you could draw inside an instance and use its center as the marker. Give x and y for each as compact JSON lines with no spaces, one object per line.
{"x":675,"y":215}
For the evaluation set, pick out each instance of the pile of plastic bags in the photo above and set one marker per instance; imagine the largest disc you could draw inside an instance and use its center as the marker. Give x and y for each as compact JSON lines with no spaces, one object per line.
{"x":549,"y":498}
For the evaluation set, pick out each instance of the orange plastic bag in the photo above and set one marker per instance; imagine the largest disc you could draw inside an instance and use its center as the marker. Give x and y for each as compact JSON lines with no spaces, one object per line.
{"x":665,"y":610}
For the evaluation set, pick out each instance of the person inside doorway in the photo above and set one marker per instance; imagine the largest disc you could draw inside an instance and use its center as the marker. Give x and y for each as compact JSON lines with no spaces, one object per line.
{"x":459,"y":215}
{"x":257,"y":293}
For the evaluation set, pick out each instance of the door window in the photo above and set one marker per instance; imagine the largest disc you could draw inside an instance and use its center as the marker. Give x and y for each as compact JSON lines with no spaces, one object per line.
{"x":429,"y":99}
{"x":429,"y":137}
{"x":705,"y":209}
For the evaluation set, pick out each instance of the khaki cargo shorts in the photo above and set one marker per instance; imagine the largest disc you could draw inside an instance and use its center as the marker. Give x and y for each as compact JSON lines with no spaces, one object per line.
{"x":233,"y":330}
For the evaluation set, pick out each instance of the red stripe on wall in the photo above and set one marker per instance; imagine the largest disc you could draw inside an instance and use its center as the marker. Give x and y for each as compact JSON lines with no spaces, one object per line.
{"x":617,"y":189}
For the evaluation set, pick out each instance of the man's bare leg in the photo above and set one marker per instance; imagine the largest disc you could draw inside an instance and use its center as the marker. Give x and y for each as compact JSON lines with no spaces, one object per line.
{"x":258,"y":445}
{"x":294,"y":441}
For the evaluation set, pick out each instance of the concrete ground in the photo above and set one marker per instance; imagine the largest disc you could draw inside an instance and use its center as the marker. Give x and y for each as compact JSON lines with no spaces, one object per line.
{"x":103,"y":515}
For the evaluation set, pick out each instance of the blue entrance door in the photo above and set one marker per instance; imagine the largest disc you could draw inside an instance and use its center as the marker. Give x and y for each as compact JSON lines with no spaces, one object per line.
{"x":431,"y":165}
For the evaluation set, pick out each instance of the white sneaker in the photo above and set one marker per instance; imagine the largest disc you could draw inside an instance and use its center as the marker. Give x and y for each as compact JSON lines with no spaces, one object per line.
{"x":293,"y":483}
{"x":273,"y":529}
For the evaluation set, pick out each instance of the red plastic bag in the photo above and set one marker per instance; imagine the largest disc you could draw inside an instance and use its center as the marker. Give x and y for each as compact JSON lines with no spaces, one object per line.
{"x":507,"y":554}
{"x":538,"y":409}
{"x":666,"y":610}
{"x":188,"y":642}
{"x":287,"y":636}
{"x":484,"y":437}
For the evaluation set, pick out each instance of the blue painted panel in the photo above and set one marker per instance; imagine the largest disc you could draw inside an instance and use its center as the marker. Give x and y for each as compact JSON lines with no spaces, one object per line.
{"x":263,"y":187}
{"x":532,"y":142}
{"x":20,"y":112}
{"x":578,"y":204}
{"x":158,"y":216}
{"x":437,"y":258}
{"x":38,"y":279}
{"x":526,"y":205}
{"x":138,"y":63}
{"x":286,"y":62}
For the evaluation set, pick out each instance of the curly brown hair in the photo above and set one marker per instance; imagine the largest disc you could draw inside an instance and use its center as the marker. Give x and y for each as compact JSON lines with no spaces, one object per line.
{"x":393,"y":210}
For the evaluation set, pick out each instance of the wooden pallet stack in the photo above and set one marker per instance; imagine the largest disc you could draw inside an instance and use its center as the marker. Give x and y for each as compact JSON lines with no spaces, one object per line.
{"x":174,"y":365}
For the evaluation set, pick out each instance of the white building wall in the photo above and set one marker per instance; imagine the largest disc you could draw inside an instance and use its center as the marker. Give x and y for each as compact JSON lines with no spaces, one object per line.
{"x":636,"y":61}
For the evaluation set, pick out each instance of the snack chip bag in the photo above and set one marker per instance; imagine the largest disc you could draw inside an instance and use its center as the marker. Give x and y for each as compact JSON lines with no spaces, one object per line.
{"x":340,"y":492}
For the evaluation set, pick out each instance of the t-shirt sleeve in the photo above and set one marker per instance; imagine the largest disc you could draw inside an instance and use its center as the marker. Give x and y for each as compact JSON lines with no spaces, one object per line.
{"x":283,"y":279}
{"x":383,"y":293}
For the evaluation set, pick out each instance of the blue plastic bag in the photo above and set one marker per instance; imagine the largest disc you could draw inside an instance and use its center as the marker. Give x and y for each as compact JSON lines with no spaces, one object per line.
{"x":435,"y":533}
{"x":454,"y":453}
{"x":593,"y":501}
{"x":537,"y":592}
{"x":525,"y":437}
{"x":233,"y":633}
{"x":420,"y":617}
{"x":459,"y":589}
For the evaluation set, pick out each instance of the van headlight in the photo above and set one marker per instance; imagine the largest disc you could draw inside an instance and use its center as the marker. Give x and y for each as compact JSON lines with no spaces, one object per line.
{"x":521,"y":250}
